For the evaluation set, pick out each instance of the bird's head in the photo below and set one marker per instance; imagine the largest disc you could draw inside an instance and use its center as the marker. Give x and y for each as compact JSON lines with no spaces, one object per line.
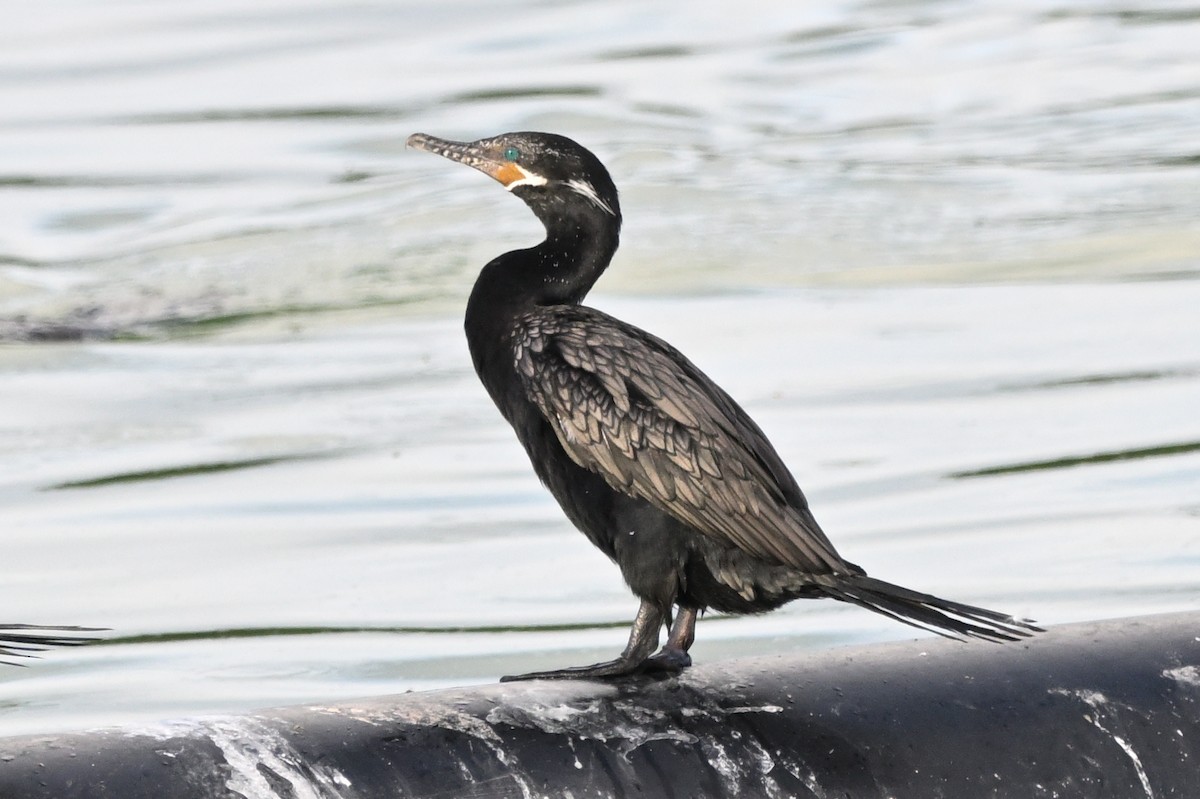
{"x":558,"y":178}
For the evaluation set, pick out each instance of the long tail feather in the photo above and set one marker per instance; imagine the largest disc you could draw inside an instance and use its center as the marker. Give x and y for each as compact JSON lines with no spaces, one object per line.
{"x":928,"y":612}
{"x":23,"y":640}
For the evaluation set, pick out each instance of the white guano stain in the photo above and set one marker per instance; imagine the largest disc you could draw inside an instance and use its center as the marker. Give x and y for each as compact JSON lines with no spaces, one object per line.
{"x":1098,"y":702}
{"x":248,"y":745}
{"x":437,"y":715}
{"x":1188,"y":675}
{"x":725,"y":766}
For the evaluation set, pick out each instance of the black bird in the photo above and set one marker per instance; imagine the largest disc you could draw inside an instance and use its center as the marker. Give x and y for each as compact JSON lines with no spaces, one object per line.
{"x":24,"y":640}
{"x":647,"y":456}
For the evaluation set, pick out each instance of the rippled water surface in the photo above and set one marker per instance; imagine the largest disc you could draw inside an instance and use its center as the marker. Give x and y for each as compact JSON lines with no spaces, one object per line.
{"x":945,"y":253}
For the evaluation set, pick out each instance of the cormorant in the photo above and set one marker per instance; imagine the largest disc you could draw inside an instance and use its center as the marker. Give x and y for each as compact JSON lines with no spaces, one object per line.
{"x":23,"y":640}
{"x":647,"y":456}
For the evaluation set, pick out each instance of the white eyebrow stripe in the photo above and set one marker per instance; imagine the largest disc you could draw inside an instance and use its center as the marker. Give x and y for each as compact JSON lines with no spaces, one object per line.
{"x":587,"y":190}
{"x":529,"y":179}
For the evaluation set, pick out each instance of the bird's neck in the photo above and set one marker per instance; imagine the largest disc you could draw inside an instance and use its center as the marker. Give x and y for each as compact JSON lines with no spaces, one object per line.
{"x":569,"y":262}
{"x":559,"y":271}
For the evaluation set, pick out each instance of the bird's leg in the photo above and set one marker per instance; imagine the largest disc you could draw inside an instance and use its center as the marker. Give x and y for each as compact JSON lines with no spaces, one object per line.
{"x":643,"y":637}
{"x":674,"y":657}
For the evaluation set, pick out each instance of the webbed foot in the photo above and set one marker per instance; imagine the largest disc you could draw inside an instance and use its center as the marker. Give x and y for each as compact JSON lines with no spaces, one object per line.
{"x":667,"y":660}
{"x":643,"y":637}
{"x":620,"y":667}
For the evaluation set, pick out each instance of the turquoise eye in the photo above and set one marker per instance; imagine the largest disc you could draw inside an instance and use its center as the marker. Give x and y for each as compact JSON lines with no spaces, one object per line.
{"x":512,"y":154}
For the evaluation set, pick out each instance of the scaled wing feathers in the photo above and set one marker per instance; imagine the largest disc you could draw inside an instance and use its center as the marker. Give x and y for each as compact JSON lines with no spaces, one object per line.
{"x":628,"y":406}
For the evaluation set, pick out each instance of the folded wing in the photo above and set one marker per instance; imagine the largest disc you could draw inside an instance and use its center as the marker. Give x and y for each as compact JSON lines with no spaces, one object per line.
{"x":630,"y":407}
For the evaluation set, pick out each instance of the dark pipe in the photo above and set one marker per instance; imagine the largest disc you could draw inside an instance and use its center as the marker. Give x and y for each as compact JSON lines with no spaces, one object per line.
{"x":1106,"y":709}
